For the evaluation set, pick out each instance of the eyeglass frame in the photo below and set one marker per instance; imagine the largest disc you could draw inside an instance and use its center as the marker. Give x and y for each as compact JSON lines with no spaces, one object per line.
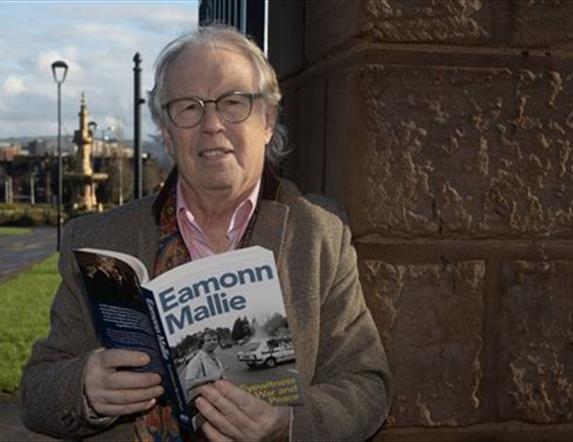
{"x":251,"y":96}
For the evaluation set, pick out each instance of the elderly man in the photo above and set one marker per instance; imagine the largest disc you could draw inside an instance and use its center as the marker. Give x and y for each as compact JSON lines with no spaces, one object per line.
{"x":215,"y":101}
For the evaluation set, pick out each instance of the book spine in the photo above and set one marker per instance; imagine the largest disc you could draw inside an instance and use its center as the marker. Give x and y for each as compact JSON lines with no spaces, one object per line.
{"x":171,"y":382}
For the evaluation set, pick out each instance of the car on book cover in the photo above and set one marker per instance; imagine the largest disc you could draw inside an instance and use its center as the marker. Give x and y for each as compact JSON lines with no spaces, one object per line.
{"x":267,"y":352}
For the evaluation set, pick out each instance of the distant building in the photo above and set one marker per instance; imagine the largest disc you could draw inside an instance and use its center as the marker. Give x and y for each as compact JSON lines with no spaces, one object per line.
{"x":27,"y":178}
{"x":9,"y":150}
{"x":38,"y":147}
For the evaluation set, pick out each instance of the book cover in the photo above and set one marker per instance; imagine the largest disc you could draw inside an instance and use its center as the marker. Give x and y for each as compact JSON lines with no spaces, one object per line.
{"x":217,"y":317}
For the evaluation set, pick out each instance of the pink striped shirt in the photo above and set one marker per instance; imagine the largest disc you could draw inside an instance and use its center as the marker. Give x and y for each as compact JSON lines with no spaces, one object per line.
{"x":193,"y":235}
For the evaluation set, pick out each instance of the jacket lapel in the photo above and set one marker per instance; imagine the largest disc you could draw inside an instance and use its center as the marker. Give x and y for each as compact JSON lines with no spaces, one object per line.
{"x":147,"y":241}
{"x":270,"y":226}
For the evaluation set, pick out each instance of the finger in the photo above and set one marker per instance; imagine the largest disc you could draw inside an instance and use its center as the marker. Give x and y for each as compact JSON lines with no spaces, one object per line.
{"x":128,"y":397}
{"x":249,"y":404}
{"x":117,"y":358}
{"x":213,"y":434}
{"x":217,"y":419}
{"x":220,"y":401}
{"x":124,"y":379}
{"x":124,"y":410}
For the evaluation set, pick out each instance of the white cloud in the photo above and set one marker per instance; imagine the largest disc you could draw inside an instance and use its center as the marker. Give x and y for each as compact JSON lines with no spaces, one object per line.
{"x":14,"y":85}
{"x":165,"y":18}
{"x":108,"y":31}
{"x":113,"y":123}
{"x":155,"y":15}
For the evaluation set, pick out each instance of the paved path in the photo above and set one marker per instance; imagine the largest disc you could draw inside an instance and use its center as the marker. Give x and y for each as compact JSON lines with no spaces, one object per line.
{"x":18,"y":252}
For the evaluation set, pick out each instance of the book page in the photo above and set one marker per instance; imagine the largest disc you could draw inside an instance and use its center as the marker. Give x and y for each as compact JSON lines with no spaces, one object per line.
{"x":136,"y":264}
{"x":119,"y":312}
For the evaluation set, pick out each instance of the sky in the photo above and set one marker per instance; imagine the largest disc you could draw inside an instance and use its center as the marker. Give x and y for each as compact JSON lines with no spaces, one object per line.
{"x":97,"y":39}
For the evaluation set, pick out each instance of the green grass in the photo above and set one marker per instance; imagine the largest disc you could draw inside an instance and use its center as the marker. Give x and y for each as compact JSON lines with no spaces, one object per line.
{"x":13,"y":230}
{"x":24,"y":317}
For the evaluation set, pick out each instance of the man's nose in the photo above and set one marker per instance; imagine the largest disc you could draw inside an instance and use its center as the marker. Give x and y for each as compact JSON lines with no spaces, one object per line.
{"x":212,"y":122}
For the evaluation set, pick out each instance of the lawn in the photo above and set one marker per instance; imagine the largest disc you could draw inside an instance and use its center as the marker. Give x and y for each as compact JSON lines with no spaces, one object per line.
{"x":26,"y":301}
{"x":13,"y":230}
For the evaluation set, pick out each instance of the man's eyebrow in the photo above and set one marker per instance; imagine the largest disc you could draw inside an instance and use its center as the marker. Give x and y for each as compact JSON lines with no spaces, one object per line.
{"x":230,"y":91}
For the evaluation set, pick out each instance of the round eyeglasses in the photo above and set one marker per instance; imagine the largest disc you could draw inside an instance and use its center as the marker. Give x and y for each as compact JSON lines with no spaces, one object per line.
{"x":234,"y":107}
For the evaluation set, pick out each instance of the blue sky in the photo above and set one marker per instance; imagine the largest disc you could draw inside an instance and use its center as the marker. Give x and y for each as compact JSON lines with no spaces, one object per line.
{"x":98,"y":40}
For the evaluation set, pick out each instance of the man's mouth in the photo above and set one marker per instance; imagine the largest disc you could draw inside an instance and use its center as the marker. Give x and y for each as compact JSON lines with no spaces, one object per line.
{"x":216,"y":152}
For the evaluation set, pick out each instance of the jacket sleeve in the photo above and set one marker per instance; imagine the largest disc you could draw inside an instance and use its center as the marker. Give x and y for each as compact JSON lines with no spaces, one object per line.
{"x":52,"y":381}
{"x":349,"y":397}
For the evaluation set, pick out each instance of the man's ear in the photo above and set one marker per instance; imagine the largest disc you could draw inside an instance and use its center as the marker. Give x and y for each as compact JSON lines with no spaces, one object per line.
{"x":271,"y":113}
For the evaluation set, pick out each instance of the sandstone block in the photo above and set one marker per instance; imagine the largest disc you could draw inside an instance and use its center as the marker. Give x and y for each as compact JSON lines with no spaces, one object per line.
{"x":453,"y":152}
{"x":536,"y":342}
{"x":305,"y":116}
{"x":335,"y":23}
{"x":543,"y":24}
{"x":329,"y":24}
{"x":430,"y":318}
{"x":286,"y":37}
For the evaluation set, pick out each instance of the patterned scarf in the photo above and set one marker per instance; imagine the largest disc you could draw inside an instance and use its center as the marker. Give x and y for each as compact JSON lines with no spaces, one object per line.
{"x":158,"y":424}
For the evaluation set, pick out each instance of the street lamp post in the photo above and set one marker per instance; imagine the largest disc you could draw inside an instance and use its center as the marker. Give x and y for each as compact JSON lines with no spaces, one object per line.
{"x":137,"y":102}
{"x":59,"y":71}
{"x":120,"y":158}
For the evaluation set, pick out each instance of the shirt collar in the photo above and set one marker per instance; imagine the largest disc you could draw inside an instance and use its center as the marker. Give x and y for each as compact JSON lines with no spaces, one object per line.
{"x":269,"y":188}
{"x":238,"y":218}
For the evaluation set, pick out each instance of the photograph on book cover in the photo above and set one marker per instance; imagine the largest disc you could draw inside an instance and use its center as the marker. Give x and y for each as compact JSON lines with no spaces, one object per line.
{"x":250,"y":350}
{"x":110,"y":279}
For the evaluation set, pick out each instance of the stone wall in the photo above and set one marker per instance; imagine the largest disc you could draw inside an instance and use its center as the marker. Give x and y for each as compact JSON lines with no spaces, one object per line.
{"x":446,"y":128}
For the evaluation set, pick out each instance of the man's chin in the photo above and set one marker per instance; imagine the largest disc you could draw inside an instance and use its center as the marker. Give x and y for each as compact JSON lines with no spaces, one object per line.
{"x":215,"y":186}
{"x":222,"y":183}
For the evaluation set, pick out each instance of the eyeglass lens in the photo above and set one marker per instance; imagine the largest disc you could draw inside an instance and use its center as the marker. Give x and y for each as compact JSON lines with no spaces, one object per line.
{"x":232,"y":108}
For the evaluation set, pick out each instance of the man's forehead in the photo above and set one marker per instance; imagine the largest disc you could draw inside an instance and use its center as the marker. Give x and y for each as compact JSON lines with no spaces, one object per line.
{"x":209,"y":71}
{"x":194,"y":58}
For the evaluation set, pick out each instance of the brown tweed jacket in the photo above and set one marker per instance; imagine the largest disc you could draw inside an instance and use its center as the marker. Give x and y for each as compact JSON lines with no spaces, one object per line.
{"x":342,"y":363}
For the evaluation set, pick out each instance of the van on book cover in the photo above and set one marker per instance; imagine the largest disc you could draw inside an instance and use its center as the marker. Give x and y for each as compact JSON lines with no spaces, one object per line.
{"x":217,"y":317}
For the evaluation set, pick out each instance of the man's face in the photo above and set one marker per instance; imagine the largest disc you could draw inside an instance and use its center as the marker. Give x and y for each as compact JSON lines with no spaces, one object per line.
{"x":216,"y":155}
{"x":210,"y":343}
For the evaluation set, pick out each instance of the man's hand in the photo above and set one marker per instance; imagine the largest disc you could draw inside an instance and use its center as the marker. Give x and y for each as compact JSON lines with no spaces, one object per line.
{"x":113,"y":390}
{"x":234,"y":415}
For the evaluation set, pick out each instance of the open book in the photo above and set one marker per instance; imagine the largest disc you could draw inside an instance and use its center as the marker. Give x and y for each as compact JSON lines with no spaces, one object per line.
{"x":217,"y":317}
